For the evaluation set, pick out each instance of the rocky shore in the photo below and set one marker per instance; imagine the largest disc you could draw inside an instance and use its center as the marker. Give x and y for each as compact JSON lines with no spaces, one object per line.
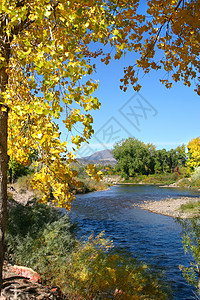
{"x":169,"y":207}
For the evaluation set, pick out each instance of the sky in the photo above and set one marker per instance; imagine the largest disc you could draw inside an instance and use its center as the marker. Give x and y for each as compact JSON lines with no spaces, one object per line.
{"x":164,"y":117}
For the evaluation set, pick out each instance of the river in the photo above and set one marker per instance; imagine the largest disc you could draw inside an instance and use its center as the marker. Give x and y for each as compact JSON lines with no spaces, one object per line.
{"x":151,"y":237}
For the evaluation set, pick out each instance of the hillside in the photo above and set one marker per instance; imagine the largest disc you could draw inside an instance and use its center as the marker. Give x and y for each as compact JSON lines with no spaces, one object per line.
{"x":103,"y":157}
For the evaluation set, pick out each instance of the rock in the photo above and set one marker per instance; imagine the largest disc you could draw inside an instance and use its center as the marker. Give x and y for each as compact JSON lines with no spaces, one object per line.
{"x":22,"y":283}
{"x":20,"y":288}
{"x":27,"y":272}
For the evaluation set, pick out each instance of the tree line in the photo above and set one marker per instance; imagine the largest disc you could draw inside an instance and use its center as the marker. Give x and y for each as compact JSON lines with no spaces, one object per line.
{"x":134,"y":157}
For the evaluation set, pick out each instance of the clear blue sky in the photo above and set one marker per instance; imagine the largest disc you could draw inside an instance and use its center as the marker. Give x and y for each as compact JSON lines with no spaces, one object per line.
{"x":165,"y":117}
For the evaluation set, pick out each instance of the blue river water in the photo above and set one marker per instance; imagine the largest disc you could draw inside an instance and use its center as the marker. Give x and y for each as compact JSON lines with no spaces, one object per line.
{"x":151,"y":237}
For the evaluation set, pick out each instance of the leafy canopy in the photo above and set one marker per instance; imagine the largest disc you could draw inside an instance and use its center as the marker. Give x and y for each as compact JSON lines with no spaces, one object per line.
{"x":166,"y":38}
{"x":47,"y":49}
{"x":137,"y":158}
{"x":49,"y":59}
{"x":134,"y":157}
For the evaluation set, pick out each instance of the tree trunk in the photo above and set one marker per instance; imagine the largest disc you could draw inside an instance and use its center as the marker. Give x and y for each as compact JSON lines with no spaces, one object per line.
{"x":5,"y":52}
{"x":3,"y":182}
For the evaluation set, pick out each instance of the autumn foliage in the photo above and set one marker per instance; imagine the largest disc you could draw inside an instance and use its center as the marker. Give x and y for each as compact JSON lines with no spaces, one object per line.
{"x":194,"y":153}
{"x":49,"y":50}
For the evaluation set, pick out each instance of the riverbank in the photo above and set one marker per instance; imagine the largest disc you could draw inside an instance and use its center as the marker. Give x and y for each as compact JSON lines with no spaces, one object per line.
{"x":171,"y":207}
{"x":165,"y":180}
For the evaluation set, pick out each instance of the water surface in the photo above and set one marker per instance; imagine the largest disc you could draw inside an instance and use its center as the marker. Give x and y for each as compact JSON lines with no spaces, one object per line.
{"x":152,"y":237}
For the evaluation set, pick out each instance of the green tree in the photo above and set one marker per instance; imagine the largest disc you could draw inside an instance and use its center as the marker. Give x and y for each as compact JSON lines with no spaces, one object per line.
{"x":134,"y":157}
{"x":161,"y":161}
{"x":168,"y":161}
{"x":182,"y":156}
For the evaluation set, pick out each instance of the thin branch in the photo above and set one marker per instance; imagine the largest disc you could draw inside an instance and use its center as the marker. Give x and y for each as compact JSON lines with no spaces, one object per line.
{"x":20,"y":3}
{"x":158,"y":33}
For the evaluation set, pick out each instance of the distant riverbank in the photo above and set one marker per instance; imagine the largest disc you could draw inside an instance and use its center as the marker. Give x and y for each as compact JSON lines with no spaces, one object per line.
{"x":171,"y":207}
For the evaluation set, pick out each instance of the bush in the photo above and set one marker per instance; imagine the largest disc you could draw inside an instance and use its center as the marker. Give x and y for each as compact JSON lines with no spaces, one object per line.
{"x":94,"y":270}
{"x":36,"y":233}
{"x":196,"y":174}
{"x":195,"y":178}
{"x":191,"y":246}
{"x":185,"y":182}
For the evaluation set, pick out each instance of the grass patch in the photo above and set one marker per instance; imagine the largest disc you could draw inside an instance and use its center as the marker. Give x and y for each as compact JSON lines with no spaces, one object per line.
{"x":166,"y":179}
{"x":159,"y":179}
{"x":191,"y":207}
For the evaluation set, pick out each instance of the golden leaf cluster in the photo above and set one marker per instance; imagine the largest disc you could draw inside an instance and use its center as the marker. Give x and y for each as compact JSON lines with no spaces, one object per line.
{"x":193,"y":153}
{"x":52,"y":47}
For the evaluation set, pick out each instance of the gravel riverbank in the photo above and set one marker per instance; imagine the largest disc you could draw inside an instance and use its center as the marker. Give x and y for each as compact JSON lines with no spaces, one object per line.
{"x":169,"y":207}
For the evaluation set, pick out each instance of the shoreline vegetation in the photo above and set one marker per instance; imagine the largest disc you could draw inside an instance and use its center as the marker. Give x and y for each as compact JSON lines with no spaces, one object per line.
{"x":141,"y":163}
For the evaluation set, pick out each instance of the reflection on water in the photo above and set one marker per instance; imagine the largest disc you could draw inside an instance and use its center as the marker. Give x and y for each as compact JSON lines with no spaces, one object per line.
{"x":150,"y":236}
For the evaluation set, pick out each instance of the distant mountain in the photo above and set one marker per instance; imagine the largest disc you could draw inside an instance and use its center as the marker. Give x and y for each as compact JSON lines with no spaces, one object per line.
{"x":103,"y":157}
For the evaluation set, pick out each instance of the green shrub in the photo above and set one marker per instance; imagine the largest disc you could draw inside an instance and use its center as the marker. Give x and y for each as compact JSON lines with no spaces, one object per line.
{"x":16,"y":170}
{"x":185,"y":172}
{"x":87,"y":185}
{"x":160,"y":179}
{"x":30,"y":219}
{"x":196,"y":183}
{"x":185,"y":182}
{"x":35,"y":232}
{"x":191,"y":246}
{"x":49,"y":249}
